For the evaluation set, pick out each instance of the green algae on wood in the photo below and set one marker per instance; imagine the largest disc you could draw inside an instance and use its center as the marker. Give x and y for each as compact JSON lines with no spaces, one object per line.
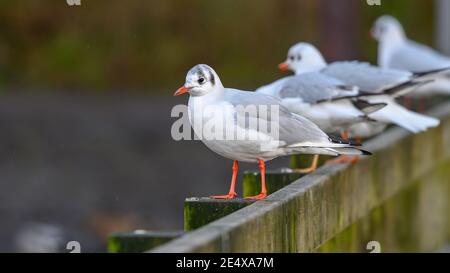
{"x":302,"y":161}
{"x":251,"y":184}
{"x":201,"y":211}
{"x":392,"y":197}
{"x":139,"y":241}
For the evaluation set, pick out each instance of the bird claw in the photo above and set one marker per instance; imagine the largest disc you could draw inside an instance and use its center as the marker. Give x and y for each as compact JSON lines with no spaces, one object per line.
{"x":226,"y":196}
{"x":257,"y":197}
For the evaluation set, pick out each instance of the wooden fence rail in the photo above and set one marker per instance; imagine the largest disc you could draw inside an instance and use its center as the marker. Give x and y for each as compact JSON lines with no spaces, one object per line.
{"x":398,"y":198}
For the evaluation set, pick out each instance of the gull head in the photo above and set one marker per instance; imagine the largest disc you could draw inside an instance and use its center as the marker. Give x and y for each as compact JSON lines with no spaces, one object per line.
{"x":200,"y":80}
{"x":303,"y":58}
{"x":387,"y":28}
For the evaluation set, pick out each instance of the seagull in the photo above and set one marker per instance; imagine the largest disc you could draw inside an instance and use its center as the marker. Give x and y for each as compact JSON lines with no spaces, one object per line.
{"x":380,"y":85}
{"x":395,"y":50}
{"x":296,"y":134}
{"x":324,"y":100}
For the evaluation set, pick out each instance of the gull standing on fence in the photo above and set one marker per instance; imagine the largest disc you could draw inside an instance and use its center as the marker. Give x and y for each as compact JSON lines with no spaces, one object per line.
{"x":379,"y":86}
{"x":395,"y":50}
{"x":295,"y":134}
{"x":330,"y":103}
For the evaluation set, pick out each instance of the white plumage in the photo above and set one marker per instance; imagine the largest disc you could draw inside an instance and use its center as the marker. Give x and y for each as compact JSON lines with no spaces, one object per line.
{"x":395,"y":50}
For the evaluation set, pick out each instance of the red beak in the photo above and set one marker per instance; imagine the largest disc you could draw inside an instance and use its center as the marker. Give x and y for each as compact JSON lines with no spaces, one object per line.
{"x":181,"y":90}
{"x":283,"y":67}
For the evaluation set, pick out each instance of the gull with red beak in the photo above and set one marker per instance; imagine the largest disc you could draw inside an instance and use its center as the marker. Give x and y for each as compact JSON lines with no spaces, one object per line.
{"x":294,"y":135}
{"x":395,"y":50}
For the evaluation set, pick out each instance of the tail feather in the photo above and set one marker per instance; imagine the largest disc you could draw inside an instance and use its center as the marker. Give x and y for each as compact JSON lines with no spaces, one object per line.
{"x":409,"y":120}
{"x":405,"y":88}
{"x":415,"y":122}
{"x":349,"y":151}
{"x":367,"y":107}
{"x":432,"y":73}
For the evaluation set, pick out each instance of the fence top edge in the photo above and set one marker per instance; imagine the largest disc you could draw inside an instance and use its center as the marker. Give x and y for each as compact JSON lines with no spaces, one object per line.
{"x":217,"y":229}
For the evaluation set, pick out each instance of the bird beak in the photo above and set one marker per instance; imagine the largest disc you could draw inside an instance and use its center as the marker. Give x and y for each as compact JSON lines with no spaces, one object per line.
{"x":283,"y":67}
{"x":181,"y":90}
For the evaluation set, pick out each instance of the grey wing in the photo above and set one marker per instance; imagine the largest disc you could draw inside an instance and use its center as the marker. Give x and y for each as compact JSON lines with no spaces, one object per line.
{"x":310,"y":87}
{"x":295,"y":129}
{"x":292,"y":128}
{"x":367,"y":77}
{"x":417,"y":58}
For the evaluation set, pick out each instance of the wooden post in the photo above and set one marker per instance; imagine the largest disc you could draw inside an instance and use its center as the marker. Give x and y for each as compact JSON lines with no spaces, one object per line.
{"x":251,"y":184}
{"x":139,"y":240}
{"x":201,"y":211}
{"x":442,"y":22}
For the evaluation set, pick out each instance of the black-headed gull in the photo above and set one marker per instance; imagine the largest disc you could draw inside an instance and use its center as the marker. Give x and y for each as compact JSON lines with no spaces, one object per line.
{"x":316,"y":97}
{"x":395,"y":50}
{"x":295,"y":135}
{"x":385,"y":83}
{"x":330,"y":103}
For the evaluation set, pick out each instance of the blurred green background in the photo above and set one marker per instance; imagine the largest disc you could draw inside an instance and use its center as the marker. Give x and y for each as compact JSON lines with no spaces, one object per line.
{"x":86,"y":93}
{"x":147,"y":46}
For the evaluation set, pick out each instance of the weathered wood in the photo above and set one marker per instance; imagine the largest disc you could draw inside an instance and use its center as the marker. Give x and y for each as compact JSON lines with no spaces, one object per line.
{"x":277,"y":179}
{"x":139,"y":241}
{"x":251,"y":184}
{"x":201,"y":211}
{"x":396,"y":196}
{"x":412,"y":220}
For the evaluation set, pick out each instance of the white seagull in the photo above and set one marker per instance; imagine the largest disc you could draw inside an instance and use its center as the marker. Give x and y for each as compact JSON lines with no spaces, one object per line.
{"x":296,"y":134}
{"x":328,"y":102}
{"x":378,"y":85}
{"x":395,"y":50}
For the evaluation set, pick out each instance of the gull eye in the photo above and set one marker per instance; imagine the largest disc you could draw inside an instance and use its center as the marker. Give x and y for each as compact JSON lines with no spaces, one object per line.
{"x":299,"y":57}
{"x":201,"y":80}
{"x":292,"y":58}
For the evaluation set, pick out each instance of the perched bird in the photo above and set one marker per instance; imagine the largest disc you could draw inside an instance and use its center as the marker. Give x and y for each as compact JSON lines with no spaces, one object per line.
{"x":379,"y":86}
{"x":295,"y":134}
{"x":395,"y":50}
{"x":330,"y":103}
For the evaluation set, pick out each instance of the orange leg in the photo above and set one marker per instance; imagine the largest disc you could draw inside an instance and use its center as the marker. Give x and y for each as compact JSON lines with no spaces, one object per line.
{"x":422,"y":105}
{"x":340,"y":160}
{"x":345,"y":135}
{"x":359,"y":140}
{"x":263,"y":194}
{"x":407,"y":102}
{"x":355,"y":159}
{"x":232,"y":194}
{"x":312,"y":168}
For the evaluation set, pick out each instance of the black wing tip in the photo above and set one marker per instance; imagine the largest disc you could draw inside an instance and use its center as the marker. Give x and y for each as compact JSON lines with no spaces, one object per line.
{"x":339,"y":140}
{"x":429,"y":72}
{"x":364,"y":152}
{"x":400,"y":87}
{"x":368,"y":107}
{"x":343,"y":87}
